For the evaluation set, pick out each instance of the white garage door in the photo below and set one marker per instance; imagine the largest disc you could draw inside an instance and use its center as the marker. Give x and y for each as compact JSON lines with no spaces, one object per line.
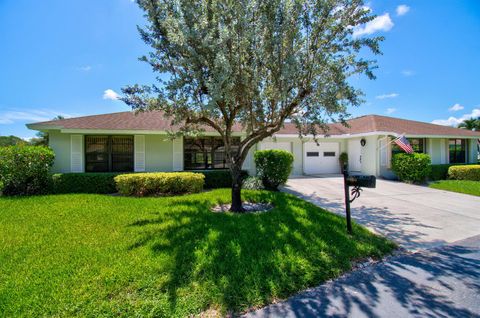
{"x":321,"y":158}
{"x":276,"y":145}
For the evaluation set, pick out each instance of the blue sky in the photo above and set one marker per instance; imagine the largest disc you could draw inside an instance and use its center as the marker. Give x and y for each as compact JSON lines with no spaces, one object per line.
{"x":72,"y":57}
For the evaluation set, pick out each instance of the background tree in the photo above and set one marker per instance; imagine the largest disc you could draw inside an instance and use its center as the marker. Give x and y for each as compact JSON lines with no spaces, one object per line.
{"x":253,"y":63}
{"x":11,"y":141}
{"x":470,"y":124}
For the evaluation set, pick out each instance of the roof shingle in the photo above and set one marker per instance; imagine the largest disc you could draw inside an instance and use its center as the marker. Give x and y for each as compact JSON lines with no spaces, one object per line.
{"x":155,"y":120}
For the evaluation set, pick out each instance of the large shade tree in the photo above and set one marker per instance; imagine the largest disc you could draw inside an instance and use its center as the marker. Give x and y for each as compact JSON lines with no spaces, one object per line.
{"x":253,"y":63}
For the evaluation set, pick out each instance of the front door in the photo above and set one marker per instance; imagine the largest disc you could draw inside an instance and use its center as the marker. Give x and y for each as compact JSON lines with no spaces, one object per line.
{"x":354,"y":155}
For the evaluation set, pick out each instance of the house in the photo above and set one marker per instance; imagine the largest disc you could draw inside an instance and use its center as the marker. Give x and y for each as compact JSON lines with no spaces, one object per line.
{"x":128,"y":142}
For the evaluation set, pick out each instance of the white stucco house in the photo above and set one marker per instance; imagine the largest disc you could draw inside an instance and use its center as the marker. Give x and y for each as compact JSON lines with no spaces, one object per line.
{"x":128,"y":142}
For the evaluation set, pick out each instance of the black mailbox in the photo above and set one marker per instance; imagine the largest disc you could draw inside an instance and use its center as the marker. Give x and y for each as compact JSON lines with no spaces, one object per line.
{"x":362,"y":181}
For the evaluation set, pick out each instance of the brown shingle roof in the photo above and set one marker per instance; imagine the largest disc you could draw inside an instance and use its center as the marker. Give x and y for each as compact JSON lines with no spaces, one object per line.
{"x":156,"y":121}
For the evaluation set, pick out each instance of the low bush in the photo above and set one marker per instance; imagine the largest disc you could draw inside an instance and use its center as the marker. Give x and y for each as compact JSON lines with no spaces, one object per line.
{"x":273,"y":167}
{"x":253,"y":183}
{"x":439,"y":172}
{"x":413,"y":167}
{"x":464,"y":172}
{"x":24,"y":170}
{"x":101,"y":182}
{"x":159,"y":183}
{"x":219,"y":178}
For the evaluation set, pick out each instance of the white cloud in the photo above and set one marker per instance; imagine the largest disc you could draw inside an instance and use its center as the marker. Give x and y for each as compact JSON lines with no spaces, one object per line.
{"x":454,"y":121}
{"x":84,"y":68}
{"x":30,"y":115}
{"x":402,"y":9}
{"x":390,"y":110}
{"x":408,"y":72}
{"x":110,"y":94}
{"x":380,"y":23}
{"x":456,"y":107}
{"x":391,"y":95}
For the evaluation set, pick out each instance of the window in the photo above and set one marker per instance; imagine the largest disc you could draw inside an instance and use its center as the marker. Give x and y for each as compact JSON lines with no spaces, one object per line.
{"x":108,"y":153}
{"x":418,"y":145}
{"x":206,"y":153}
{"x":312,"y":154}
{"x":329,"y":154}
{"x":456,"y":149}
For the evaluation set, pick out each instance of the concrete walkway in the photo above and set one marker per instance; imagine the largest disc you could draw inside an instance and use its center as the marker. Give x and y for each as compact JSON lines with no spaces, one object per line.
{"x":442,"y":282}
{"x":416,"y":217}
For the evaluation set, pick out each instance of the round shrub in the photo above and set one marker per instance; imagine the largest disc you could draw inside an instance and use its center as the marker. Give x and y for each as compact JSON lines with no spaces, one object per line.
{"x":413,"y":167}
{"x":24,"y":170}
{"x":464,"y":172}
{"x":273,"y":167}
{"x":159,"y":183}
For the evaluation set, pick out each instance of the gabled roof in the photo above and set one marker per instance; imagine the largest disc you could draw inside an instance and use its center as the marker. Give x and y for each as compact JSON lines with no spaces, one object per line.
{"x":156,"y":121}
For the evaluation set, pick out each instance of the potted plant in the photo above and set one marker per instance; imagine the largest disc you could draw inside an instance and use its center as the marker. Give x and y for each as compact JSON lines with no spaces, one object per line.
{"x":343,"y":158}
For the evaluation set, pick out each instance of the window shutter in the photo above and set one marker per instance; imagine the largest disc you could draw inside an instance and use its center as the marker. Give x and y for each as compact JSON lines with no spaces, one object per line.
{"x":177,"y":154}
{"x":76,"y":153}
{"x":139,"y":158}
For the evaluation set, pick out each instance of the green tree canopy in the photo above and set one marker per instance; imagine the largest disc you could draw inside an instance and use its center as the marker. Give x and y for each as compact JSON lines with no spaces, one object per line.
{"x":470,"y":124}
{"x":11,"y":141}
{"x":254,"y":63}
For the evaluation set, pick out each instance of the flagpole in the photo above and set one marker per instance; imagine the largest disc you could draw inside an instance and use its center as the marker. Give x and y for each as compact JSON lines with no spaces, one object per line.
{"x":391,"y":141}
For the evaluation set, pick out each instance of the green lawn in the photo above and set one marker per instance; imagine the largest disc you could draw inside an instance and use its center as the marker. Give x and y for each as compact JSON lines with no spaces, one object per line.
{"x":462,"y":186}
{"x":99,"y":255}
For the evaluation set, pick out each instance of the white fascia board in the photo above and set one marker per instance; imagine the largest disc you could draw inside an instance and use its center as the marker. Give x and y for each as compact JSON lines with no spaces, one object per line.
{"x":379,"y":133}
{"x":133,"y":132}
{"x":42,"y":127}
{"x":443,"y":136}
{"x":344,"y":136}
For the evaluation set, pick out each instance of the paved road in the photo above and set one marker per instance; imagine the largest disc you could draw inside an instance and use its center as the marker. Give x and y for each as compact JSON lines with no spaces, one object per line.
{"x":441,"y":282}
{"x":414,"y":216}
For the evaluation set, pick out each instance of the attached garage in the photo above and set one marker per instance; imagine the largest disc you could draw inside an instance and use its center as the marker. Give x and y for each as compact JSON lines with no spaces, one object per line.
{"x":321,"y":158}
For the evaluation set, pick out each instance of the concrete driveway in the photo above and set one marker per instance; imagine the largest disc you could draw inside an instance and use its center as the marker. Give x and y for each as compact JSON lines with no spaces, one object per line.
{"x":440,"y":280}
{"x":416,"y":217}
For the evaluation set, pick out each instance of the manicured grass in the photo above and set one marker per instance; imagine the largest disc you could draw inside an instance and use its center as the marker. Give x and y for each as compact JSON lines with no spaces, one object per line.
{"x":100,"y":255}
{"x":462,"y":186}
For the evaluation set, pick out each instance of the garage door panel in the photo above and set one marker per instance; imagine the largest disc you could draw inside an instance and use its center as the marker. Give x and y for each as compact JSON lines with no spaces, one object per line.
{"x":321,"y":158}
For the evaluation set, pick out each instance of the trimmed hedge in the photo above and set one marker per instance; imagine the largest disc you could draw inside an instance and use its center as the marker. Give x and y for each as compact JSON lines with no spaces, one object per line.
{"x":440,"y":171}
{"x":464,"y":172}
{"x":413,"y":167}
{"x":90,"y":182}
{"x":219,"y":178}
{"x":273,"y":167}
{"x":159,"y":183}
{"x":24,"y":170}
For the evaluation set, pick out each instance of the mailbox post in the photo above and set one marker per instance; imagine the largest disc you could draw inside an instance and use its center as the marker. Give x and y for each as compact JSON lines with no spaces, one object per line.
{"x":356,"y":181}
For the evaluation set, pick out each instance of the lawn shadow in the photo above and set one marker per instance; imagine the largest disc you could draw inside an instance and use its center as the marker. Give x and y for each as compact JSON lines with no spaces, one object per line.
{"x":250,"y":259}
{"x":417,"y":285}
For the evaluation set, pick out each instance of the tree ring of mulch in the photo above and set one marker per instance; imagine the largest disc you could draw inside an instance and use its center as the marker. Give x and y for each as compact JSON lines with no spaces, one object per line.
{"x":249,"y":207}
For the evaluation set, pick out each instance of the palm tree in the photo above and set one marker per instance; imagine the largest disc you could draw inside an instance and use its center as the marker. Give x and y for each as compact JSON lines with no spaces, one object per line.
{"x":470,"y":124}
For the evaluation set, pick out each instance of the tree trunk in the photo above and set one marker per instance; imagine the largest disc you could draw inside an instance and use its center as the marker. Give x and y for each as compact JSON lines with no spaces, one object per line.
{"x":236,"y":190}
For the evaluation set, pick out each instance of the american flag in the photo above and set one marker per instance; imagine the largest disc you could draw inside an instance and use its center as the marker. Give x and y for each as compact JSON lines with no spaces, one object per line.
{"x":403,"y":143}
